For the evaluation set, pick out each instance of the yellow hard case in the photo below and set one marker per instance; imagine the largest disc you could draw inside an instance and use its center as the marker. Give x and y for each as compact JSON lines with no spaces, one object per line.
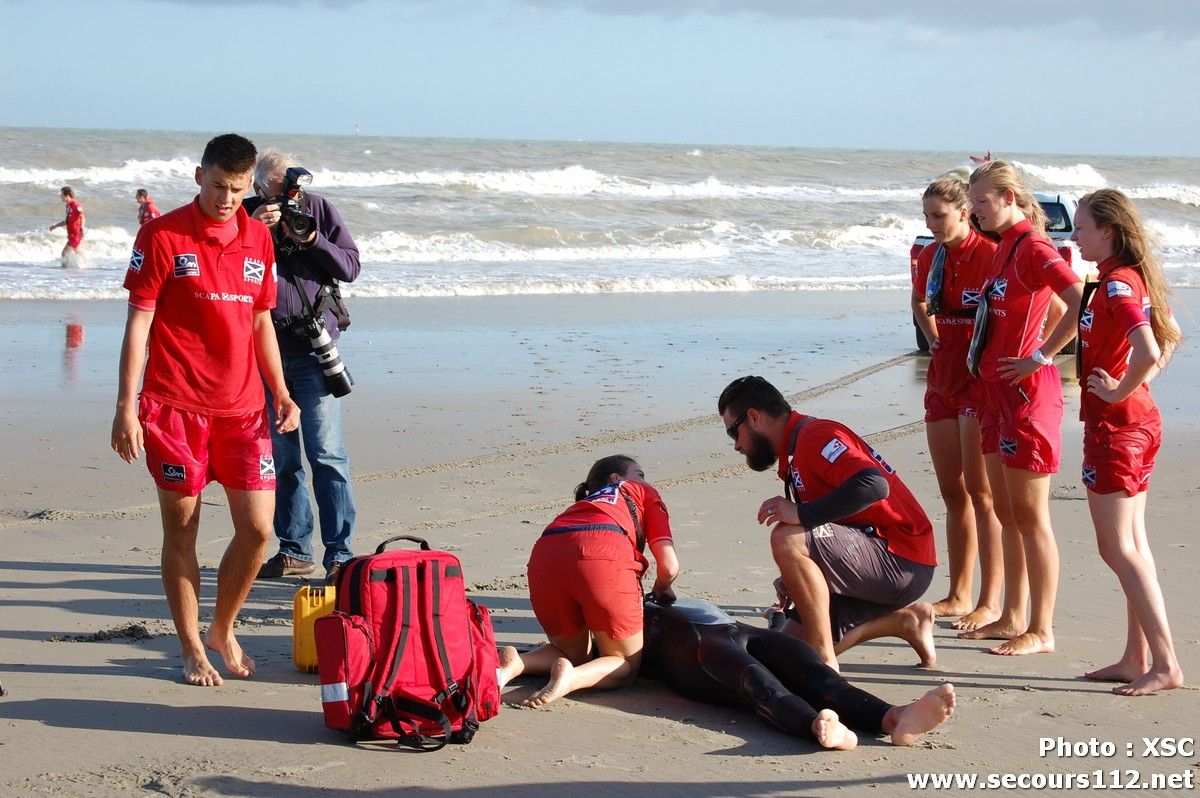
{"x":310,"y":603}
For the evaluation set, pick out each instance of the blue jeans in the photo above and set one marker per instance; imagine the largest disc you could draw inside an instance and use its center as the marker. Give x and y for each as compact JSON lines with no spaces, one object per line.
{"x":321,"y":431}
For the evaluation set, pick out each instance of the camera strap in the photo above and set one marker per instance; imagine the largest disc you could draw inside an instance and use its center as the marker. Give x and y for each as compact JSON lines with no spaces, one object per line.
{"x":308,"y":305}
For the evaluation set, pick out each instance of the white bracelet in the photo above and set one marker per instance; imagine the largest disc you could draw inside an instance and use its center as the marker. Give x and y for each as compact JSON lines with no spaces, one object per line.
{"x":1041,"y":359}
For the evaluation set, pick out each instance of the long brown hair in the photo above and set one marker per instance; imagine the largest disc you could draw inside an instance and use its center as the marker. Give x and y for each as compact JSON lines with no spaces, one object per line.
{"x":1110,"y":208}
{"x":598,"y":477}
{"x":1001,"y":175}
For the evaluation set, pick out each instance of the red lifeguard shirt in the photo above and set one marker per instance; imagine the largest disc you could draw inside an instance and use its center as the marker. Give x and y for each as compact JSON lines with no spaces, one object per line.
{"x":147,"y":211}
{"x":967,"y":268}
{"x":204,"y":281}
{"x":1021,"y":288}
{"x":74,"y":220}
{"x":826,"y":455}
{"x":1119,"y":306}
{"x":608,"y":506}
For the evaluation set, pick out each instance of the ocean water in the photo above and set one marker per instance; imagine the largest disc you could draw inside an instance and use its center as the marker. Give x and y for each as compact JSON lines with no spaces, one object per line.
{"x":442,"y":217}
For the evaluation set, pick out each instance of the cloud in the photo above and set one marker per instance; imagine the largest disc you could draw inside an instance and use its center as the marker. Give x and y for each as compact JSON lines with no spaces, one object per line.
{"x":1171,"y":19}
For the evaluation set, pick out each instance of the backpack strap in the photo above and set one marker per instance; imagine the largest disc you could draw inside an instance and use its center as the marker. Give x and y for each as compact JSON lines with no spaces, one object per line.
{"x":1089,"y":288}
{"x":788,"y":492}
{"x":374,"y":701}
{"x":637,"y":524}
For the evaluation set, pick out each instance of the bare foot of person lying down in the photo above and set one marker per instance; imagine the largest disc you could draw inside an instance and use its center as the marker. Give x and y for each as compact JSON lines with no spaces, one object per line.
{"x":925,"y":714}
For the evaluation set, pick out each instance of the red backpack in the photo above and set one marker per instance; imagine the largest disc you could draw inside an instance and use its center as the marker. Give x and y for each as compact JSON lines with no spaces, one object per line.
{"x":406,"y":655}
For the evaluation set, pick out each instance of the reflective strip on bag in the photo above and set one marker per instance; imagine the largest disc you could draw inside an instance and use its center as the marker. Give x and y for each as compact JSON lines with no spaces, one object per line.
{"x":339,"y":691}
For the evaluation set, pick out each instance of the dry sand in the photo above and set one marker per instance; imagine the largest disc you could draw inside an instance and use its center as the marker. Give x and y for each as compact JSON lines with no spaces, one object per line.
{"x":471,"y":421}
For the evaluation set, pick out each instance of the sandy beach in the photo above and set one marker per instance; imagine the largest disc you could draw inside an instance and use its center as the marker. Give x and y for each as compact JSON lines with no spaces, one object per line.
{"x":470,"y":423}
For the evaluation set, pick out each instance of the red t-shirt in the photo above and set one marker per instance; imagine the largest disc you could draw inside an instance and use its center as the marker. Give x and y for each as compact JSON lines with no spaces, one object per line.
{"x":1119,"y":305}
{"x":1021,"y":288}
{"x":826,"y":455}
{"x":608,"y":506}
{"x":967,"y":268}
{"x":74,"y":220}
{"x":204,"y":281}
{"x":147,"y":211}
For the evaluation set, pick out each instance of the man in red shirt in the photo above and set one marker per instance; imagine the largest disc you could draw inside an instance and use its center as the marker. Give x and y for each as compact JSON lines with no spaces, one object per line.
{"x":854,"y":548}
{"x":147,"y":210}
{"x":201,"y":286}
{"x":74,"y":224}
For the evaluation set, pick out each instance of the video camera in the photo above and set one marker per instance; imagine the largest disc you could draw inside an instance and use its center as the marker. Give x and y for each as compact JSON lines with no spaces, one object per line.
{"x":291,"y":203}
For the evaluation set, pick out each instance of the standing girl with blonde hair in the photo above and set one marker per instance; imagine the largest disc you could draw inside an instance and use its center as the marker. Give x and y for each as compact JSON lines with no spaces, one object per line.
{"x":1021,"y":422}
{"x":947,"y":282}
{"x":1127,"y":334}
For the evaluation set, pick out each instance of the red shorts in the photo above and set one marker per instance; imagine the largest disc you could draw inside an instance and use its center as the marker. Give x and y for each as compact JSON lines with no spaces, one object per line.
{"x":586,"y":580}
{"x":74,"y":241}
{"x":1121,"y":458}
{"x":943,"y":407}
{"x":1023,"y":423}
{"x":185,"y":451}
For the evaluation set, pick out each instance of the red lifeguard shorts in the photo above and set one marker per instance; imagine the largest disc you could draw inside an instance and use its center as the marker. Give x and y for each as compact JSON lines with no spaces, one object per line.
{"x":1023,"y":423}
{"x":943,"y":407}
{"x":185,"y":450}
{"x":1121,"y":458}
{"x":586,"y":580}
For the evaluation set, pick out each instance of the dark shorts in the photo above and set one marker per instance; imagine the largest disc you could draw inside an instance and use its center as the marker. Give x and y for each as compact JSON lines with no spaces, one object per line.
{"x":1121,"y":459}
{"x":866,"y":581}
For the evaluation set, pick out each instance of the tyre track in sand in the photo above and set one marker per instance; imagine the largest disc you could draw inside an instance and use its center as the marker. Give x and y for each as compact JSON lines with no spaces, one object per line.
{"x":731,"y":470}
{"x":59,"y":515}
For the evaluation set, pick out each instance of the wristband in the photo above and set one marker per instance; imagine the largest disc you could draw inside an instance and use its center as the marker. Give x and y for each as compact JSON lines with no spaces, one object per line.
{"x":1041,"y":359}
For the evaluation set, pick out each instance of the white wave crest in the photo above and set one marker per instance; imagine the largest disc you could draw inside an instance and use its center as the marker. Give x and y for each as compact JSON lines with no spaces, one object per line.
{"x":132,"y":171}
{"x":100,"y":245}
{"x":396,"y":247}
{"x":1176,"y":192}
{"x":577,"y":181}
{"x":1081,"y":175}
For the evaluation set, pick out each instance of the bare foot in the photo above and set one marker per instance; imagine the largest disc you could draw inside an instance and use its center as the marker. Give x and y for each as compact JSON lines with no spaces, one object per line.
{"x":199,"y":671}
{"x":976,"y":618}
{"x":558,"y":686}
{"x":918,"y":632}
{"x":996,"y":630}
{"x":950,"y":606}
{"x":237,"y":662}
{"x":511,"y":666}
{"x":925,"y":714}
{"x":1120,"y":671}
{"x":832,"y":733}
{"x":1028,"y":643}
{"x":1153,"y":681}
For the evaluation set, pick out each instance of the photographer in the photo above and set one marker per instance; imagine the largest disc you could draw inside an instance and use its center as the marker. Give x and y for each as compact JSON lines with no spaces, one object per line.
{"x":313,"y":251}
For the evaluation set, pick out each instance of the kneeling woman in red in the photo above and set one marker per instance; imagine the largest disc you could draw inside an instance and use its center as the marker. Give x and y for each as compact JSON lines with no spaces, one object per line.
{"x":585,"y":577}
{"x":1126,"y":336}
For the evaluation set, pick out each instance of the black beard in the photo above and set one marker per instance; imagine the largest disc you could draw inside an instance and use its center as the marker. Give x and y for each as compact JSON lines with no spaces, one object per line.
{"x":762,"y":454}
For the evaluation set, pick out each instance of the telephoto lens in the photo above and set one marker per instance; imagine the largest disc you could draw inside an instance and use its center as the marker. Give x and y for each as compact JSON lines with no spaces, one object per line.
{"x":337,"y":378}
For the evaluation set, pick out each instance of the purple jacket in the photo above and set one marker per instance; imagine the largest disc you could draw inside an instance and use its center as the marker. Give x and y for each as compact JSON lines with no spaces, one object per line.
{"x":333,"y":255}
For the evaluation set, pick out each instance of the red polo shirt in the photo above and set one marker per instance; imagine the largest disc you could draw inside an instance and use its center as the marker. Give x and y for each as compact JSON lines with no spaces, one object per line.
{"x":1119,"y":305}
{"x":967,"y":268}
{"x":826,"y":455}
{"x":204,"y":281}
{"x":1021,"y":288}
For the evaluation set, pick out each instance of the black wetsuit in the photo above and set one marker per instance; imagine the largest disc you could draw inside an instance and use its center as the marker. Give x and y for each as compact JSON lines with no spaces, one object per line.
{"x":704,"y":654}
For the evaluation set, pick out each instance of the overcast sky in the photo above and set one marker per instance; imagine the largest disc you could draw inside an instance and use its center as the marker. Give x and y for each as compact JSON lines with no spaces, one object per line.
{"x":1107,"y":76}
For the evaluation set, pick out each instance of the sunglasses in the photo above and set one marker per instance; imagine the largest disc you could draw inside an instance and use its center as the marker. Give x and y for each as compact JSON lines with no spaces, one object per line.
{"x":732,"y":429}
